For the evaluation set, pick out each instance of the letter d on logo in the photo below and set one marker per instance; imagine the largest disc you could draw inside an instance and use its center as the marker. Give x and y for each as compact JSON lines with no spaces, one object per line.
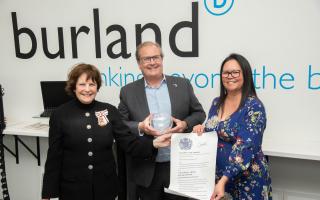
{"x":218,"y":7}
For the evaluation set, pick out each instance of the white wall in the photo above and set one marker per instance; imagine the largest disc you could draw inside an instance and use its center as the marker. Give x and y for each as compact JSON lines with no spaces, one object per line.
{"x":280,"y":37}
{"x":295,"y":178}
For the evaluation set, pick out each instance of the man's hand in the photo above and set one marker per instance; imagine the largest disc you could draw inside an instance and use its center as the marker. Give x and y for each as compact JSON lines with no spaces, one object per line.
{"x":180,"y":126}
{"x":145,"y":127}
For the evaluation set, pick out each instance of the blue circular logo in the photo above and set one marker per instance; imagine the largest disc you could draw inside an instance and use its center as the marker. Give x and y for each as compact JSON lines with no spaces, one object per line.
{"x":185,"y":144}
{"x":218,"y":7}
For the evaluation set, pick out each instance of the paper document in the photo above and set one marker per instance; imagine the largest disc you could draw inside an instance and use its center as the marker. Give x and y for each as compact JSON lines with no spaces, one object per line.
{"x":193,"y":164}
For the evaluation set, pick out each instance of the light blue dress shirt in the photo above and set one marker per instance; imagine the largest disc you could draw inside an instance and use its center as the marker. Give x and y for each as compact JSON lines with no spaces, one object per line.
{"x":159,"y":102}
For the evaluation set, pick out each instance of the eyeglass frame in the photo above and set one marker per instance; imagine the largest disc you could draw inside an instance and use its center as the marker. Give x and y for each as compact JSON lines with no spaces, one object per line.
{"x":232,"y":73}
{"x":147,"y":60}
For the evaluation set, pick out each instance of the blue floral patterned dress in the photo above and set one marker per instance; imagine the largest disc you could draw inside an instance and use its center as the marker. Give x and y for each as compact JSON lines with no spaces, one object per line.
{"x":239,"y":154}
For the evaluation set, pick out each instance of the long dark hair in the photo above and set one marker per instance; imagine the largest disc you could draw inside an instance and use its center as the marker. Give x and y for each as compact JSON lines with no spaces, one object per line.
{"x":248,"y":88}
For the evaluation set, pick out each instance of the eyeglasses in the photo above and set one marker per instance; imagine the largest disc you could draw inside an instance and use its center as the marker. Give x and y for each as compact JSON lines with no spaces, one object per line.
{"x":234,"y":74}
{"x":147,"y":60}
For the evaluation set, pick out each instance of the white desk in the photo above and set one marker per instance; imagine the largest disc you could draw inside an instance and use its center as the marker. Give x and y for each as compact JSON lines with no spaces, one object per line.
{"x":35,"y":127}
{"x":308,"y":150}
{"x":38,"y":127}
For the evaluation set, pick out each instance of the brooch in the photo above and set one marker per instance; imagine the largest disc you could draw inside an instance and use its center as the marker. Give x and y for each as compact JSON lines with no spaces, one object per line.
{"x":102,"y":117}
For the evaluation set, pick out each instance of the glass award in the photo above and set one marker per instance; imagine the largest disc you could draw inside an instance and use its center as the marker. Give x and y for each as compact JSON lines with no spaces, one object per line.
{"x":161,"y":122}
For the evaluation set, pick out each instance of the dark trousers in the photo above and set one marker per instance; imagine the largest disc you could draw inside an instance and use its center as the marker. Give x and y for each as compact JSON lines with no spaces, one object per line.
{"x":161,"y":179}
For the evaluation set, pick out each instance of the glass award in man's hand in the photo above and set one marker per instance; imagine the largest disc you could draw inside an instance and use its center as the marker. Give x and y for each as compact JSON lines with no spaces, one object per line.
{"x":161,"y":122}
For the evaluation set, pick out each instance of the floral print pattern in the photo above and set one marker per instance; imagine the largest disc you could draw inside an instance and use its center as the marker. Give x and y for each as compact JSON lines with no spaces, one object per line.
{"x":239,"y":154}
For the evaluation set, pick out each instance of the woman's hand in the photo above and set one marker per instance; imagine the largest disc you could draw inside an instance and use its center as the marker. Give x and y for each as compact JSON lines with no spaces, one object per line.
{"x":198,"y":129}
{"x":218,"y":192}
{"x":162,"y":141}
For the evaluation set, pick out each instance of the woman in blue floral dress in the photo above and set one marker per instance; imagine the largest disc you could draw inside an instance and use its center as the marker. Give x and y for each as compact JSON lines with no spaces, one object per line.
{"x":239,"y":118}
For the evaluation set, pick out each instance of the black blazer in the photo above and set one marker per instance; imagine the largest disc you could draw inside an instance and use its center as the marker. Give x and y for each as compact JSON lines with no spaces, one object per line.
{"x":133,"y":108}
{"x":80,"y":163}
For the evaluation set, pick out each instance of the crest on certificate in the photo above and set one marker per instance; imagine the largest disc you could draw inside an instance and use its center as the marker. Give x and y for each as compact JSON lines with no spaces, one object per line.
{"x":185,"y":143}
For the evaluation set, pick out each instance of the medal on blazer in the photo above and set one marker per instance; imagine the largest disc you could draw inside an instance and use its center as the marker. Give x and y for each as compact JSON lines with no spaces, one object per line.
{"x":102,"y":117}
